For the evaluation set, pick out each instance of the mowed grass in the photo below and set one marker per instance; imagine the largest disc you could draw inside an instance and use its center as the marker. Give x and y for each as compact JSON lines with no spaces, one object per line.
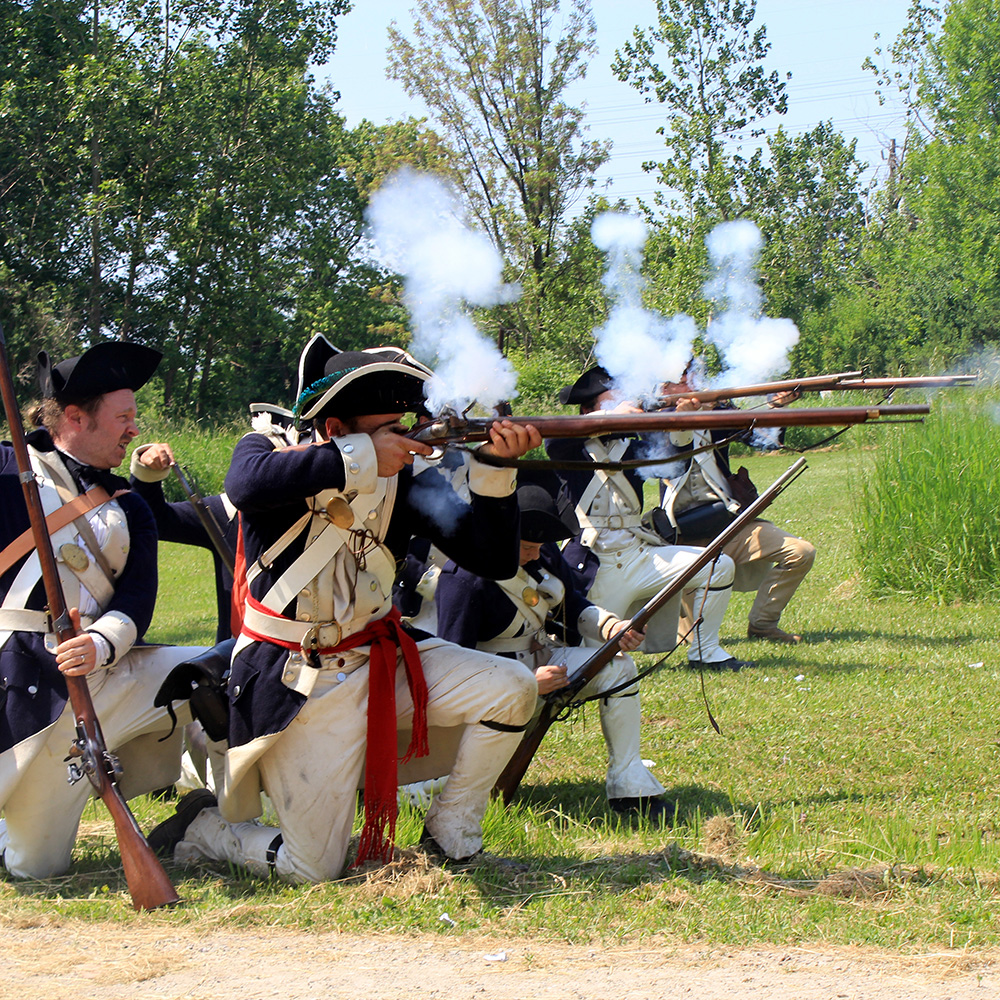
{"x":850,"y":799}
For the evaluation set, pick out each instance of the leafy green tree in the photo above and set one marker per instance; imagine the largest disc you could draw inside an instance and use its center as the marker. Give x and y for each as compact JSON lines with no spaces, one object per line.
{"x":494,"y":76}
{"x":805,"y":192}
{"x":705,"y":65}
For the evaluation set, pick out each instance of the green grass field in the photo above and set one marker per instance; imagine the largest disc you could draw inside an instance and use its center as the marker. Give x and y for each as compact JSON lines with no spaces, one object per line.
{"x":850,"y":799}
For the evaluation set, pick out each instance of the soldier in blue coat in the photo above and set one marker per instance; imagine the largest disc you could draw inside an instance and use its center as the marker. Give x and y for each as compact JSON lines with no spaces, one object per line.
{"x":104,"y":539}
{"x":326,"y":681}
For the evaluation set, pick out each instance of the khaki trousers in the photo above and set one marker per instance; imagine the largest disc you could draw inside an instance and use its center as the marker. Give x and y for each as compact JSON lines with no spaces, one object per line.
{"x":771,"y":561}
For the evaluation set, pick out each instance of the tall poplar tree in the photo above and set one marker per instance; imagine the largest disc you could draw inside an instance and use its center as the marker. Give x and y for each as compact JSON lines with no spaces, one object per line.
{"x":494,"y":75}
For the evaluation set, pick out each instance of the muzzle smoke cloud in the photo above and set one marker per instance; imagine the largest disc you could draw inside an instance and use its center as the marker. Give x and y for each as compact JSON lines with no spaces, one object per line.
{"x":641,"y":349}
{"x":638,"y":347}
{"x":753,"y":346}
{"x":418,"y":230}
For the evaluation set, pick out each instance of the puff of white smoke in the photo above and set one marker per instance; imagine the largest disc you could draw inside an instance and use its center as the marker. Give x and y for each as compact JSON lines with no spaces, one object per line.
{"x":752,"y":346}
{"x":639,"y":348}
{"x":417,"y":227}
{"x":622,"y":238}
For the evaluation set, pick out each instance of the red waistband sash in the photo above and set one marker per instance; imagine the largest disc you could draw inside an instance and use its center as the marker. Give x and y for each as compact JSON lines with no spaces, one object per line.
{"x":385,"y":636}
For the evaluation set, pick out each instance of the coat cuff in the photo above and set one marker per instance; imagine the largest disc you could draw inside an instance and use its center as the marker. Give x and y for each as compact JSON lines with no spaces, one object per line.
{"x":596,"y":624}
{"x":142,"y":472}
{"x":120,"y":632}
{"x":360,"y":462}
{"x":491,"y":480}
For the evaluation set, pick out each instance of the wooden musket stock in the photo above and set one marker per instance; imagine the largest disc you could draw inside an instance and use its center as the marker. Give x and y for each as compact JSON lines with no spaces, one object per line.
{"x":148,"y":883}
{"x":557,"y":701}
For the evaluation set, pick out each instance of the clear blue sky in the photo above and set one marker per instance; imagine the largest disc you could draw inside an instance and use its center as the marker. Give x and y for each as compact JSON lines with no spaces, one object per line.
{"x":821,"y":42}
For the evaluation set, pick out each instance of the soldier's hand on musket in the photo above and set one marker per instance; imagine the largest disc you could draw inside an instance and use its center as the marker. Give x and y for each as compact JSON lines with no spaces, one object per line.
{"x":156,"y":456}
{"x":551,"y":678}
{"x":783,"y":398}
{"x":690,"y":403}
{"x":630,"y":640}
{"x":510,"y":440}
{"x":393,"y":449}
{"x":77,"y":656}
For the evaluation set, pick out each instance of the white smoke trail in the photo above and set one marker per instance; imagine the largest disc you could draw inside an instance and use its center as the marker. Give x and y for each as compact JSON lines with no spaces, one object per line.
{"x":417,"y":227}
{"x":639,"y":348}
{"x":753,"y":346}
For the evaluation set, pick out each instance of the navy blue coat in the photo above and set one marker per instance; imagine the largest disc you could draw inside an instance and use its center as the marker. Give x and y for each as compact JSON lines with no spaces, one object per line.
{"x":32,"y":690}
{"x":270,"y":488}
{"x":472,"y":610}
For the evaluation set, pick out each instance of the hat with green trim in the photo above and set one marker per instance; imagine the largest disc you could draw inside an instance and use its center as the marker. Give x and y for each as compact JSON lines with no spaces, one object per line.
{"x":345,"y":384}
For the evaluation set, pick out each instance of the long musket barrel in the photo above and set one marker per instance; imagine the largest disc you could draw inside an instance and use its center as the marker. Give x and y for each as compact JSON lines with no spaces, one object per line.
{"x":515,"y":769}
{"x":842,"y":381}
{"x":452,"y":428}
{"x":148,"y":883}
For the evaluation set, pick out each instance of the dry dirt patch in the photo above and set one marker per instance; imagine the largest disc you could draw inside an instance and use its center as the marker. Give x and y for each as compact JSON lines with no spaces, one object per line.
{"x":109,"y":962}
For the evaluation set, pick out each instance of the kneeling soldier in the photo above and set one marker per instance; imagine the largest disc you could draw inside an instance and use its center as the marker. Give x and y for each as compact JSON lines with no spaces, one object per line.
{"x":515,"y":617}
{"x":316,"y":690}
{"x":104,"y":538}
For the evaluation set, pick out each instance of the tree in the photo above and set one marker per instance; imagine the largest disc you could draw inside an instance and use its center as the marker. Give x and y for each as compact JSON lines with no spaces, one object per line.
{"x":175,"y":177}
{"x":927,"y":287}
{"x":714,"y":89}
{"x":495,"y":80}
{"x":805,"y":195}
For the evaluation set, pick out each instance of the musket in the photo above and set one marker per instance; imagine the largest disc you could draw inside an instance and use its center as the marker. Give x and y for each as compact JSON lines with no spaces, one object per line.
{"x":148,"y":883}
{"x":842,"y":381}
{"x":454,"y":428}
{"x":208,"y":521}
{"x":890,"y":384}
{"x":557,"y":702}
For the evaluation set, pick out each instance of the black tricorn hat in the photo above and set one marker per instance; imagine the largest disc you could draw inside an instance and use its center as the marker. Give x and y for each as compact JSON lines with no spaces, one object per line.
{"x":547,"y":513}
{"x":105,"y":367}
{"x":587,"y":387}
{"x":357,"y":383}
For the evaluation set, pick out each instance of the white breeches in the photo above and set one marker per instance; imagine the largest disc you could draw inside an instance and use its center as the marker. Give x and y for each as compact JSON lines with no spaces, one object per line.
{"x":42,"y":811}
{"x":312,"y":770}
{"x":629,"y":576}
{"x":627,"y":776}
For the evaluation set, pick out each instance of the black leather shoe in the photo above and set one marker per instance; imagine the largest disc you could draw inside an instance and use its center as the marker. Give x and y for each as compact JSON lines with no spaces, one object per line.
{"x":164,"y":837}
{"x":720,"y":665}
{"x":437,"y":853}
{"x":655,"y":809}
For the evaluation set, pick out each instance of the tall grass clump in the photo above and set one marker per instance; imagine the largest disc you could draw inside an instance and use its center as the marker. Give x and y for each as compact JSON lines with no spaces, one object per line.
{"x":927,"y":521}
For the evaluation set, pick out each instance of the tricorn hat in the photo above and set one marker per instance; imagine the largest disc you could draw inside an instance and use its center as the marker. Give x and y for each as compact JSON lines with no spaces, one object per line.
{"x":587,"y":387}
{"x":357,"y":383}
{"x":547,"y":514}
{"x":105,"y":367}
